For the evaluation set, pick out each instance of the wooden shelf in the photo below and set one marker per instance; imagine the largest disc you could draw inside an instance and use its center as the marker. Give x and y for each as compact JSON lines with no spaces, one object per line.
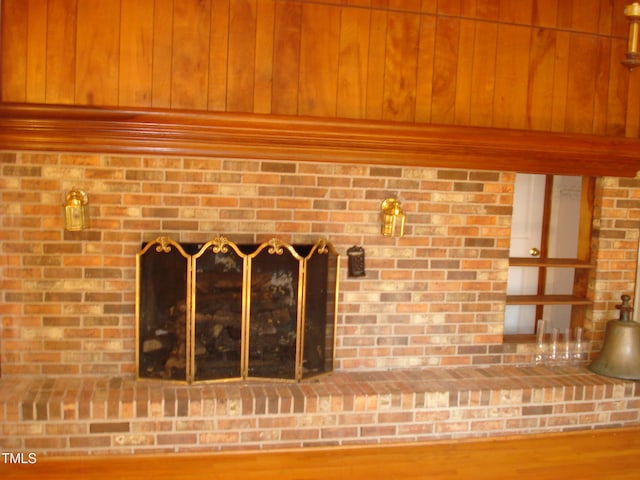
{"x":547,"y":300}
{"x":549,"y":262}
{"x":255,"y":136}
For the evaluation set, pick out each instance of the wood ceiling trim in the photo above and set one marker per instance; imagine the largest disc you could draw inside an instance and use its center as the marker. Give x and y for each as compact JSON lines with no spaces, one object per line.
{"x":252,"y":136}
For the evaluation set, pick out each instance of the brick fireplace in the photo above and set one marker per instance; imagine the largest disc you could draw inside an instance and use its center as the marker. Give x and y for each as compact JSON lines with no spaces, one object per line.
{"x":434,"y":298}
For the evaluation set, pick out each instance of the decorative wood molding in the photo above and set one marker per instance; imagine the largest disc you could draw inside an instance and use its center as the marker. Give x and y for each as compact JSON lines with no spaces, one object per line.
{"x":252,"y":136}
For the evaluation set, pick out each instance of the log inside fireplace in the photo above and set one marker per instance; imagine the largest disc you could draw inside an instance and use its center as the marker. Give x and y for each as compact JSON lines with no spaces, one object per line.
{"x":220,"y":311}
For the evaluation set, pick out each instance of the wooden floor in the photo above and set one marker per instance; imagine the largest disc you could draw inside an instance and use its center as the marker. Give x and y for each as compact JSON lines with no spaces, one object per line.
{"x":602,"y":454}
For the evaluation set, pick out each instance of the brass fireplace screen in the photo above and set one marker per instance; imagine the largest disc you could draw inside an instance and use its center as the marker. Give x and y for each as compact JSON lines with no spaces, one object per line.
{"x":220,"y":311}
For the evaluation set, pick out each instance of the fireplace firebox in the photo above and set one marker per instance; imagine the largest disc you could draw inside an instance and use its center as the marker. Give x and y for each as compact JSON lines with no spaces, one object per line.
{"x":219,"y":311}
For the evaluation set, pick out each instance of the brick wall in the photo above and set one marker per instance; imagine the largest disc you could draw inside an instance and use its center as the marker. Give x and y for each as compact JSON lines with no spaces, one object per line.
{"x":432,"y":298}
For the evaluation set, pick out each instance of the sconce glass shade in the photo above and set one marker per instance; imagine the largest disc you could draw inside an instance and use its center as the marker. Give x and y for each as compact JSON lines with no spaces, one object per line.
{"x":393,"y":218}
{"x":76,"y":211}
{"x":632,"y":57}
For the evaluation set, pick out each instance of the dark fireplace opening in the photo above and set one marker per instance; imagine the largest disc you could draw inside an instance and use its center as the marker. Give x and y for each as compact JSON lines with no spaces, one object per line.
{"x":221,"y":311}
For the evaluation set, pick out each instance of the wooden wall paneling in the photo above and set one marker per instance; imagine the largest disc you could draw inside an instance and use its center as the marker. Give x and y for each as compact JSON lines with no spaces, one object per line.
{"x":190,"y":59}
{"x":512,"y":77}
{"x":13,"y":74}
{"x":97,"y":52}
{"x":545,"y":13}
{"x":263,"y":84}
{"x":541,"y":67}
{"x":560,"y":79}
{"x":376,"y":64}
{"x":61,"y":51}
{"x":487,"y":9}
{"x":353,"y":63}
{"x":136,"y":53}
{"x":449,"y":7}
{"x":602,"y":85}
{"x":581,"y":85}
{"x":429,"y":6}
{"x":464,"y":85}
{"x":605,"y":18}
{"x":413,"y":6}
{"x":468,"y":8}
{"x":619,"y":23}
{"x":565,"y":13}
{"x":218,"y":59}
{"x":319,"y":53}
{"x":633,"y":110}
{"x":519,"y":12}
{"x":585,"y":15}
{"x":399,"y":92}
{"x":618,"y":90}
{"x":286,"y":57}
{"x":426,"y":52}
{"x":242,"y":56}
{"x":483,"y":74}
{"x":445,"y":70}
{"x":36,"y":51}
{"x":162,"y":53}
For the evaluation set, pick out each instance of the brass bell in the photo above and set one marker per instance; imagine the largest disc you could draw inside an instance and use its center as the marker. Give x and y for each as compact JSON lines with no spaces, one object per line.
{"x":620,"y":354}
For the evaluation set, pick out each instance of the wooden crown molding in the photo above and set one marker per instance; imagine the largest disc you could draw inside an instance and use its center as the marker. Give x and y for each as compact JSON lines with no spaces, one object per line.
{"x":253,"y":136}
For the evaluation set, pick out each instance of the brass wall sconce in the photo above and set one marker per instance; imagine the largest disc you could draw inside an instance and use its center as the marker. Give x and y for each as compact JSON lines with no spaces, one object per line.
{"x":393,"y":218}
{"x":632,"y":57}
{"x":76,"y":210}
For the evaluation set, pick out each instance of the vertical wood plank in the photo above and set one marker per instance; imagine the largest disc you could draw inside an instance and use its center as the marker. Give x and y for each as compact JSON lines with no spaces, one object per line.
{"x":512,"y":61}
{"x":541,"y":67}
{"x":619,"y":23}
{"x":483,"y":75}
{"x":618,"y":90}
{"x":399,"y":95}
{"x":633,"y":112}
{"x":560,"y":82}
{"x":286,"y":55}
{"x":519,"y":12}
{"x":565,"y":14}
{"x":136,"y":53}
{"x":585,"y":16}
{"x":468,"y":8}
{"x":219,"y":56}
{"x":13,"y":75}
{"x":98,"y":51}
{"x":264,"y":56}
{"x":376,"y":64}
{"x":449,"y":7}
{"x":545,"y":13}
{"x":353,"y":63}
{"x":581,"y":83}
{"x":426,"y":53}
{"x":319,"y":51}
{"x":488,"y":9}
{"x":61,"y":51}
{"x":464,"y":86}
{"x":242,"y":53}
{"x":190,"y":59}
{"x":605,"y":19}
{"x":162,"y":53}
{"x":36,"y":51}
{"x":601,"y":87}
{"x":429,"y":6}
{"x":445,"y":70}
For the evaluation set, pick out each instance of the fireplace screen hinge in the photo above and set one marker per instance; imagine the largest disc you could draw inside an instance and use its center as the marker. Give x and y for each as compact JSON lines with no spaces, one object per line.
{"x":220,"y":311}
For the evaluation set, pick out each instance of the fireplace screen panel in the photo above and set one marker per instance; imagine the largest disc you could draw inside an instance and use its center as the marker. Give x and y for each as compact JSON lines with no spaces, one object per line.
{"x":161,"y":308}
{"x":319,"y":314}
{"x":218,"y":280}
{"x":220,"y":311}
{"x":273,"y":332}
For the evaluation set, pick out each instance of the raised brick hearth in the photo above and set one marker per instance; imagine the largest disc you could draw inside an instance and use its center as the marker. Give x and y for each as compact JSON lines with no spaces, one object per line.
{"x":114,"y":415}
